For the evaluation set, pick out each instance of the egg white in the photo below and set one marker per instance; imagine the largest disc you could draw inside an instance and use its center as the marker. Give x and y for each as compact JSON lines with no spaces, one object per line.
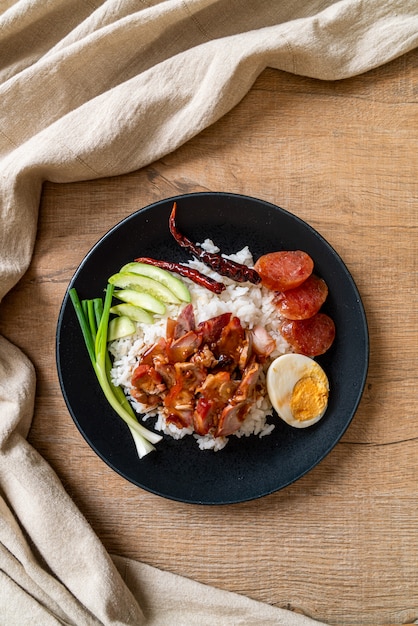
{"x":283,"y":375}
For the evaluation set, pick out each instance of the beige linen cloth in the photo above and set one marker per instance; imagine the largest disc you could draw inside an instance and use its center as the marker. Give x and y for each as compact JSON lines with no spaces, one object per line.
{"x":91,"y":89}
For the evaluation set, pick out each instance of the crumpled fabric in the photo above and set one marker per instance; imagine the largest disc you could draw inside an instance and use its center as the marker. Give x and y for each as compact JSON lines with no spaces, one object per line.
{"x":91,"y":89}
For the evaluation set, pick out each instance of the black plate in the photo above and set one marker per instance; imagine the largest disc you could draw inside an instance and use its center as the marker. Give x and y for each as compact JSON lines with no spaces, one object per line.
{"x":248,"y":467}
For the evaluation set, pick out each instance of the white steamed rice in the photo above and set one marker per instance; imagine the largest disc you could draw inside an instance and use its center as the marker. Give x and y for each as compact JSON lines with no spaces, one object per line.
{"x":252,"y":304}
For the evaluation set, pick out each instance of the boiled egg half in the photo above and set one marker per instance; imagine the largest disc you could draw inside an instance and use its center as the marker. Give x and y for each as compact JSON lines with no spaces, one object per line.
{"x":298,"y":389}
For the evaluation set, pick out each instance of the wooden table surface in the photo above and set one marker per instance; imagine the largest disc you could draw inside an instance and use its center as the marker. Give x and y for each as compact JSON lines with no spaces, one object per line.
{"x":341,"y":544}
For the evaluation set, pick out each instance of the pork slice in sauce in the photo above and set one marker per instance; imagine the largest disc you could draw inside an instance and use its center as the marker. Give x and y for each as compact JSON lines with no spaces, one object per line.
{"x":148,"y":386}
{"x":179,"y":403}
{"x":239,"y":405}
{"x":214,"y":393}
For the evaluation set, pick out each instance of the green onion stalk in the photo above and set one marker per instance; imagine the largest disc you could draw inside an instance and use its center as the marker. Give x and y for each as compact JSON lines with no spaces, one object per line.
{"x":93,"y":317}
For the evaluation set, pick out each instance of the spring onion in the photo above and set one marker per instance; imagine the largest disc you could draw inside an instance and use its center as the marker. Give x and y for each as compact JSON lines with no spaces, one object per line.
{"x":93,"y":317}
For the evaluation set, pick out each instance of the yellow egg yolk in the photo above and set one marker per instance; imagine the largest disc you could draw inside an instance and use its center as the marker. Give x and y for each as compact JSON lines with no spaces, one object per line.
{"x":309,"y":397}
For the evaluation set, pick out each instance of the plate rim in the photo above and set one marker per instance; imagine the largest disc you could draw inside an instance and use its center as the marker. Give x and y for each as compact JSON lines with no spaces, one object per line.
{"x":313,"y":232}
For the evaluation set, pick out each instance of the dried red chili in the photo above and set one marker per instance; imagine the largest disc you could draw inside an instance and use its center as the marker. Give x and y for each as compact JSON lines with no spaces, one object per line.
{"x":188,"y":272}
{"x":237,"y":271}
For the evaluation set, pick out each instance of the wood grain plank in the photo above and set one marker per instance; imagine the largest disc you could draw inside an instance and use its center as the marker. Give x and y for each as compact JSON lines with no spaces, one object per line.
{"x":341,"y":544}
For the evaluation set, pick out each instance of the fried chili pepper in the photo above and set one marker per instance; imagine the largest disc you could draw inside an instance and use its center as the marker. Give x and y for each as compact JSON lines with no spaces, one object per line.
{"x":189,"y":272}
{"x":225,"y":267}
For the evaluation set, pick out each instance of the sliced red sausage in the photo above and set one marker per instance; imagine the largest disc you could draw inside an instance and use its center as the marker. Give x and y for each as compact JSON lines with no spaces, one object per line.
{"x":310,"y":337}
{"x":284,"y":270}
{"x":303,"y":301}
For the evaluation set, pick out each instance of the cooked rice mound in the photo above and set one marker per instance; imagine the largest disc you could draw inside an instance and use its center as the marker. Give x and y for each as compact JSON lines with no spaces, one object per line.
{"x":252,"y":304}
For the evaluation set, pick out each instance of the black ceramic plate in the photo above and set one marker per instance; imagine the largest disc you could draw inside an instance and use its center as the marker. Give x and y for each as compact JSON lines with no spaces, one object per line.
{"x":248,"y":467}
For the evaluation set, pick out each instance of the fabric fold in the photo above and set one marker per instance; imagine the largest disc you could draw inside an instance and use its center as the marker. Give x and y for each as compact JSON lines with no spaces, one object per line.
{"x":92,"y":89}
{"x":165,"y":599}
{"x":47,"y":548}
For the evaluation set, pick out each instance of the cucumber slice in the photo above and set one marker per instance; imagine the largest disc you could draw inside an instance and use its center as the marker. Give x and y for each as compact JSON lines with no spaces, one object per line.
{"x":174,"y":284}
{"x":141,"y":299}
{"x":133,"y":312}
{"x":120,"y":327}
{"x":125,"y":280}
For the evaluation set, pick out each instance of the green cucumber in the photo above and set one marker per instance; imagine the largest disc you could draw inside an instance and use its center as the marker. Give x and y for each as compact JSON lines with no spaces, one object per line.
{"x":125,"y":280}
{"x":120,"y":327}
{"x":133,"y":312}
{"x":141,"y":299}
{"x":174,"y":284}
